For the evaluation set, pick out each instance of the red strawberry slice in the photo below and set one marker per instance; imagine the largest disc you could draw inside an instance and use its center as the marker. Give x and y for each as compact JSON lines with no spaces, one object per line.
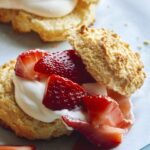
{"x":17,"y":148}
{"x":62,"y":93}
{"x":66,"y":64}
{"x":103,"y":136}
{"x":26,"y":62}
{"x":106,"y":124}
{"x":105,"y":111}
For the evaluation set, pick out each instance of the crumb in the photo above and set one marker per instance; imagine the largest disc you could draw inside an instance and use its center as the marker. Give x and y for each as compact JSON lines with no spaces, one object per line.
{"x":146,"y":42}
{"x":125,"y":24}
{"x":108,"y":6}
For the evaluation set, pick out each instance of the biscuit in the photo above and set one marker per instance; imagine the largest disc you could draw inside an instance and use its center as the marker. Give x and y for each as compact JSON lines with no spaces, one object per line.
{"x":51,"y":29}
{"x":108,"y":59}
{"x":13,"y":117}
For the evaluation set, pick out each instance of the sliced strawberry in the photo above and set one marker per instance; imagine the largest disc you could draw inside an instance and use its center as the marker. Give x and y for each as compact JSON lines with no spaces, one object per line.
{"x":26,"y":62}
{"x":106,"y":123}
{"x":104,"y":136}
{"x":124,"y":104}
{"x":62,"y":93}
{"x":17,"y":148}
{"x":66,"y":64}
{"x":105,"y":111}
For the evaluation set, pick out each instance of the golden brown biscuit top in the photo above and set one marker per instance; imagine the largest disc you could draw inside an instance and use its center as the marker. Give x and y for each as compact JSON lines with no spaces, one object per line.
{"x":109,"y":59}
{"x":91,"y":1}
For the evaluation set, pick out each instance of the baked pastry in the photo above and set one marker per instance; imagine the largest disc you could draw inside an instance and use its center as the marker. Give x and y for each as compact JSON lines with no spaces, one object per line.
{"x":108,"y":59}
{"x":13,"y":117}
{"x":50,"y":29}
{"x":45,"y":95}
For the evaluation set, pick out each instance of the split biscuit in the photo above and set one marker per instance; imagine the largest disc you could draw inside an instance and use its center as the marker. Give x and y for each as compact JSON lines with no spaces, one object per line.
{"x":13,"y":117}
{"x":108,"y":59}
{"x":51,"y":29}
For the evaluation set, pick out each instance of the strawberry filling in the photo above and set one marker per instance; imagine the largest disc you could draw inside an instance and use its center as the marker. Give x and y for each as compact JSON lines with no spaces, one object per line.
{"x":66,"y":64}
{"x":25,"y":64}
{"x":70,"y":86}
{"x":106,"y":124}
{"x":62,"y":93}
{"x":17,"y":148}
{"x":104,"y":136}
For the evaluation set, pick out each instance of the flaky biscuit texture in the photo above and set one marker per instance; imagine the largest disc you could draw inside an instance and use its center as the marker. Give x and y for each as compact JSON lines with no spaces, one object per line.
{"x":108,"y":59}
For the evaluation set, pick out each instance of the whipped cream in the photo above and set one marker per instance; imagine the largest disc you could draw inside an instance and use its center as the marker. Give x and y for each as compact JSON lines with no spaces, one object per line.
{"x":45,"y":8}
{"x":29,"y":97}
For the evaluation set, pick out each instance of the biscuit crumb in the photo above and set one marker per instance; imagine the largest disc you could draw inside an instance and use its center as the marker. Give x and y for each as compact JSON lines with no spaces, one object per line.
{"x":108,"y":6}
{"x":146,"y":42}
{"x":126,"y":25}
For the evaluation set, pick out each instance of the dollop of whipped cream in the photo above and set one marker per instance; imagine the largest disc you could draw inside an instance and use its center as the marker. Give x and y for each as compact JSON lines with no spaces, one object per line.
{"x":29,"y":97}
{"x":45,"y":8}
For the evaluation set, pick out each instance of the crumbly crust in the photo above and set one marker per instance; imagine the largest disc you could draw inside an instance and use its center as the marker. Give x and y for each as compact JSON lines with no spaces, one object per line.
{"x":14,"y":118}
{"x":51,"y":29}
{"x":109,"y":59}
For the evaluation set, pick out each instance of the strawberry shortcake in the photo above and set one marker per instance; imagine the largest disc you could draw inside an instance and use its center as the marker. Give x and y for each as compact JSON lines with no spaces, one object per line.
{"x":87,"y":89}
{"x":50,"y":19}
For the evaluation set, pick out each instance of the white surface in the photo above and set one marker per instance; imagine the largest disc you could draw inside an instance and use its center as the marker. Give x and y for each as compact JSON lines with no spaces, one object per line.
{"x":129,"y":18}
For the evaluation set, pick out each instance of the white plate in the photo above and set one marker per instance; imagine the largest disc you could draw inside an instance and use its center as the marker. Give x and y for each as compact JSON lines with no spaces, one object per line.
{"x":131,"y":19}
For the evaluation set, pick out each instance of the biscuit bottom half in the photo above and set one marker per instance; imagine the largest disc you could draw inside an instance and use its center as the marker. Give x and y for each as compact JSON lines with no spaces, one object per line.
{"x":11,"y":116}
